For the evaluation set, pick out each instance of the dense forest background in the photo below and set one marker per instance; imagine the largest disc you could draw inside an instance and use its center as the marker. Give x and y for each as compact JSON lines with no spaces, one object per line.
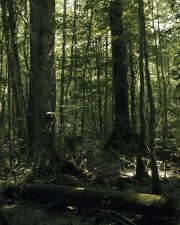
{"x":87,"y":82}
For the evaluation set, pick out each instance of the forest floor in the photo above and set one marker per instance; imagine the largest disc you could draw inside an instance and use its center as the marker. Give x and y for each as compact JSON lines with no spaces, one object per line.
{"x":117,"y":176}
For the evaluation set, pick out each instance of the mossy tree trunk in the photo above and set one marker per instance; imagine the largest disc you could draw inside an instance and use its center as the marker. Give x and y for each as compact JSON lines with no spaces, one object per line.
{"x":60,"y":195}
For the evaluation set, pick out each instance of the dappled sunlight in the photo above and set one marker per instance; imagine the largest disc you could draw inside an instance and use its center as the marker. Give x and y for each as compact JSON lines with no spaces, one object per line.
{"x":89,"y":112}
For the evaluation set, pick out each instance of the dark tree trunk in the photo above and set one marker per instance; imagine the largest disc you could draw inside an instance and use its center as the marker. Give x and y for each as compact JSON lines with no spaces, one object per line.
{"x":165,"y":115}
{"x":156,"y":185}
{"x":62,"y":83}
{"x":132,"y":90}
{"x":119,"y":139}
{"x":42,"y":87}
{"x":160,"y":99}
{"x":9,"y":29}
{"x":7,"y":46}
{"x":106,"y":97}
{"x":98,"y":65}
{"x":140,"y":168}
{"x":86,"y":60}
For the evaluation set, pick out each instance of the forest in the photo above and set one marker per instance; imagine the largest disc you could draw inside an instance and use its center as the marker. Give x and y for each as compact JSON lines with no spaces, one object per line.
{"x":89,"y":112}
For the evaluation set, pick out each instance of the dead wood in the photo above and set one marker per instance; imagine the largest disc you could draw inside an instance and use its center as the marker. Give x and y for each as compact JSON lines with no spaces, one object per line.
{"x":60,"y":195}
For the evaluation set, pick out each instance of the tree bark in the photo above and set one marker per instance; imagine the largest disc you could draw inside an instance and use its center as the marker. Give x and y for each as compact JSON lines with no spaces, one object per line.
{"x":106,"y":92}
{"x":9,"y":29}
{"x":140,"y":168}
{"x":62,"y":82}
{"x":158,"y":114}
{"x":98,"y":71}
{"x":165,"y":115}
{"x":59,"y":195}
{"x":132,"y":89}
{"x":156,"y":185}
{"x":86,"y":63}
{"x":42,"y":86}
{"x":91,"y":97}
{"x":119,"y":139}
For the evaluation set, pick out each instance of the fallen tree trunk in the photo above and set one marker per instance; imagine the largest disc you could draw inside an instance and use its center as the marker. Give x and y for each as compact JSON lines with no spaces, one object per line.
{"x":61,"y":195}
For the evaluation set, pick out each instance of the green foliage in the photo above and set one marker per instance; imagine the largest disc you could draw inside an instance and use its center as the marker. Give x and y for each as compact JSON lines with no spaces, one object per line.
{"x":88,"y":72}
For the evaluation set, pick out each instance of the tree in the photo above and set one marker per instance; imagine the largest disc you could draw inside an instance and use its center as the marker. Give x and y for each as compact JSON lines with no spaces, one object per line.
{"x":156,"y":186}
{"x":119,"y":139}
{"x":42,"y":86}
{"x":63,"y":67}
{"x":132,"y":89}
{"x":140,"y":169}
{"x":9,"y":27}
{"x":165,"y":119}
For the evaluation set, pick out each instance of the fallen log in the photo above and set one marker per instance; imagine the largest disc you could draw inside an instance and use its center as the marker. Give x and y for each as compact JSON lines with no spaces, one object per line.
{"x":60,"y":195}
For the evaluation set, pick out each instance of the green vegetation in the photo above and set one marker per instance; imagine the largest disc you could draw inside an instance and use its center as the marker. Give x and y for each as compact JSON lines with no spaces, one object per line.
{"x":89,"y":97}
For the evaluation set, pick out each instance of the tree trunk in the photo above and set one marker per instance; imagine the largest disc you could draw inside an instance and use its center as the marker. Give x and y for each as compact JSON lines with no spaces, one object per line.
{"x":62,"y":88}
{"x":73,"y":72}
{"x":140,"y":168}
{"x":2,"y":87}
{"x":59,"y":196}
{"x":106,"y":91}
{"x":132,"y":90}
{"x":91,"y":97}
{"x":156,"y":185}
{"x":86,"y":59}
{"x":42,"y":86}
{"x":165,"y":118}
{"x":157,"y":68}
{"x":119,"y":139}
{"x":98,"y":66}
{"x":9,"y":28}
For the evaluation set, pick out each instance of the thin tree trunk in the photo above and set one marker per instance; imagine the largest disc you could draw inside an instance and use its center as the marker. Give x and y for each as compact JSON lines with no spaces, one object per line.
{"x":94,"y":122}
{"x":75,"y":125}
{"x":2,"y":89}
{"x":140,"y":168}
{"x":169,"y":85}
{"x":26,"y":49}
{"x":156,"y":185}
{"x":165,"y":118}
{"x":25,"y":43}
{"x":9,"y":119}
{"x":62,"y":88}
{"x":1,"y":62}
{"x":3,"y":106}
{"x":106,"y":91}
{"x":73,"y":73}
{"x":15,"y":75}
{"x":6,"y":33}
{"x":98,"y":65}
{"x":157,"y":69}
{"x":84,"y":73}
{"x":132,"y":90}
{"x":73,"y":47}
